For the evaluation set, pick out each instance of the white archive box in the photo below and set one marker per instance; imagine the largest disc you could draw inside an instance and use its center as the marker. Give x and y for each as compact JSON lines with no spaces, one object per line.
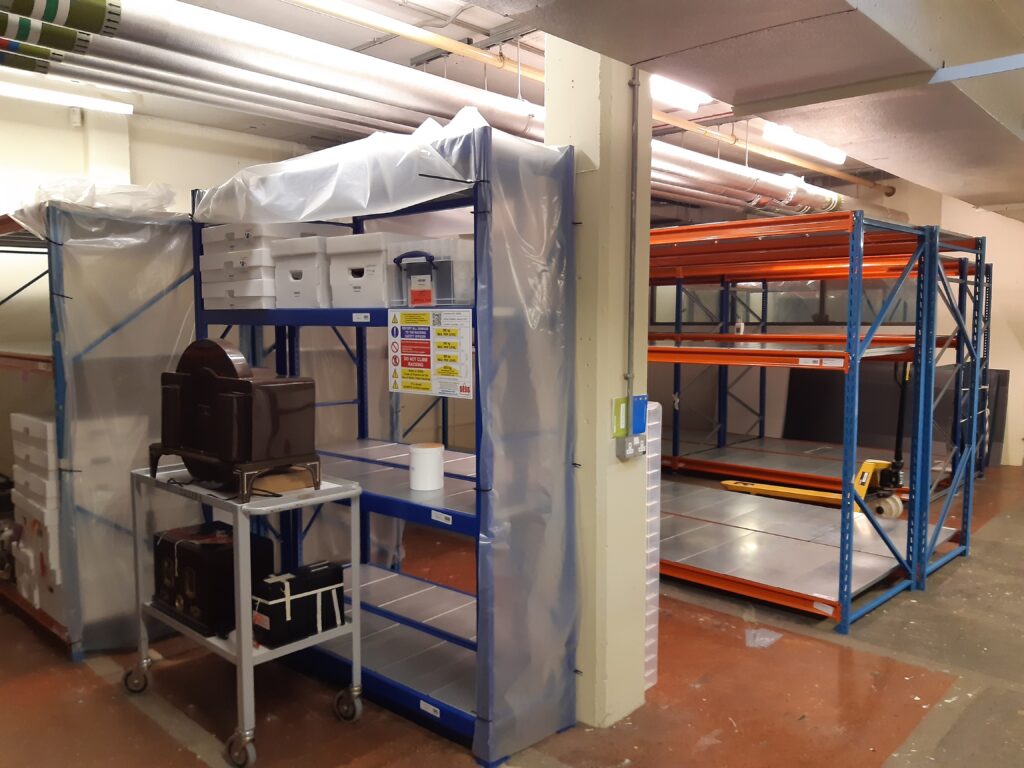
{"x":39,"y":430}
{"x":241,"y":302}
{"x":262,"y":287}
{"x":300,"y":272}
{"x":236,"y":265}
{"x":39,"y":489}
{"x":245,"y":237}
{"x":362,"y":270}
{"x":433,"y":272}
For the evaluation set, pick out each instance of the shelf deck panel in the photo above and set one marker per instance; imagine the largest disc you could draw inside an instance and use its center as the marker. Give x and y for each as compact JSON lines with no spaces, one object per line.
{"x":783,"y":545}
{"x":433,"y":607}
{"x":431,"y":667}
{"x":457,"y":464}
{"x":386,"y":491}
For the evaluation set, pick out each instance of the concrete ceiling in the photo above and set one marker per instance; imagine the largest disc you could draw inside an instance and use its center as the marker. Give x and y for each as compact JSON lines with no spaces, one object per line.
{"x":848,"y":72}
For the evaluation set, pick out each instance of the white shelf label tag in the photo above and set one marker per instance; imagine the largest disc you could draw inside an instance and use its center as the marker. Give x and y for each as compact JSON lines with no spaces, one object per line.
{"x":430,"y":709}
{"x":440,"y":517}
{"x":360,"y":317}
{"x":832,"y":362}
{"x":814,"y":361}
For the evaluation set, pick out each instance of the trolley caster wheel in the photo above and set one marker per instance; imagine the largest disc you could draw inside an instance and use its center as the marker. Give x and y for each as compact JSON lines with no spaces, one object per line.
{"x":135,"y":681}
{"x":241,"y":752}
{"x":348,"y":707}
{"x":889,"y":507}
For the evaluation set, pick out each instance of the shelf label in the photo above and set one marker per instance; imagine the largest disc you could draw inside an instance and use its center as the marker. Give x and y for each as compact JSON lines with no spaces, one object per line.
{"x":832,"y":362}
{"x":360,"y":317}
{"x":811,"y":361}
{"x":440,"y":517}
{"x":431,"y":352}
{"x":429,"y":708}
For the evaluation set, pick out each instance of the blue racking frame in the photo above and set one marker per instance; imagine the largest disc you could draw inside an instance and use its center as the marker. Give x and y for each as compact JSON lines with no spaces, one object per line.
{"x":450,"y":721}
{"x":970,"y":310}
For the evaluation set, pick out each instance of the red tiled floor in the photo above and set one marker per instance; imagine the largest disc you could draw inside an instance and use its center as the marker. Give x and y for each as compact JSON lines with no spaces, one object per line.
{"x":802,"y":702}
{"x":55,"y":713}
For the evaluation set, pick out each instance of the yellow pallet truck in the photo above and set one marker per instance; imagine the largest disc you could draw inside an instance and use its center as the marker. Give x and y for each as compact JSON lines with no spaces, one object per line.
{"x":876,"y":482}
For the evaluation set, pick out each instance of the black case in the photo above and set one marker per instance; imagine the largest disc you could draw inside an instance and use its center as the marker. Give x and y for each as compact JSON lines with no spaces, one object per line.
{"x":283,"y":614}
{"x":195,"y":577}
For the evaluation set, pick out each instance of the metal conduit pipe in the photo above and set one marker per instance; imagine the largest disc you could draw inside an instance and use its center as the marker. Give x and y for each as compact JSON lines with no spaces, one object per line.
{"x":757,"y":204}
{"x":71,"y":72}
{"x":213,"y":36}
{"x":107,"y":66}
{"x":255,"y":82}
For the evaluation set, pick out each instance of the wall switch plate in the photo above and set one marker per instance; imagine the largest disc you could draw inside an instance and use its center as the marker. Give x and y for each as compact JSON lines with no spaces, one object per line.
{"x":630,"y":447}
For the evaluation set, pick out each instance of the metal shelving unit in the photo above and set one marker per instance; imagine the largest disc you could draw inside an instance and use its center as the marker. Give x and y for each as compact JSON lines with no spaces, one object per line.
{"x":415,"y":646}
{"x":430,"y":652}
{"x":828,"y":246}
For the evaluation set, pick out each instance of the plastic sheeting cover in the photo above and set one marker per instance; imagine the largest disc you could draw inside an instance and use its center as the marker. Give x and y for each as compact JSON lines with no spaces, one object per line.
{"x":119,"y":199}
{"x":123,"y":306}
{"x":526,"y":682}
{"x":383,"y":172}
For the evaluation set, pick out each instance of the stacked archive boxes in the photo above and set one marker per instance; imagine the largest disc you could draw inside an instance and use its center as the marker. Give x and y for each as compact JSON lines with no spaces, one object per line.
{"x":237,"y":265}
{"x":36,"y":509}
{"x":653,"y":515}
{"x":267,"y":266}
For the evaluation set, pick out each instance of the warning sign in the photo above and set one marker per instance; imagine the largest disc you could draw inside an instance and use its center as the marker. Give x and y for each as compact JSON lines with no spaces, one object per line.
{"x":431,"y":352}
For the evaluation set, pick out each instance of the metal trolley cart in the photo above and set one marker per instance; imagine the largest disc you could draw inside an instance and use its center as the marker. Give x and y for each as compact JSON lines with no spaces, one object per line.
{"x":239,"y":649}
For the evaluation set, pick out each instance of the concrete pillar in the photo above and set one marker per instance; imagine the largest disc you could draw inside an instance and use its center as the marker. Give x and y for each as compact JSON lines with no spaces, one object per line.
{"x":588,"y":101}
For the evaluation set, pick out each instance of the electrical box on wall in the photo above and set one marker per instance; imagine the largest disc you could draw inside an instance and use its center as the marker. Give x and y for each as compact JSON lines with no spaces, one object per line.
{"x":629,"y":427}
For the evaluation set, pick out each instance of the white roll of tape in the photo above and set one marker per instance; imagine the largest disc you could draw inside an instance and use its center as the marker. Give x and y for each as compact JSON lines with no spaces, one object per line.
{"x":426,"y":467}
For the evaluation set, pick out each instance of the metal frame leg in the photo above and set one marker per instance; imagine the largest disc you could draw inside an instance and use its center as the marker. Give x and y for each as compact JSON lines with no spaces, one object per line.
{"x":357,"y":637}
{"x":244,"y":686}
{"x":136,"y":679}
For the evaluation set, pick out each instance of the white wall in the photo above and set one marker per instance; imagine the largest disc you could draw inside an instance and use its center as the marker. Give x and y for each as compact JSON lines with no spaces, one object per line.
{"x":43,"y":147}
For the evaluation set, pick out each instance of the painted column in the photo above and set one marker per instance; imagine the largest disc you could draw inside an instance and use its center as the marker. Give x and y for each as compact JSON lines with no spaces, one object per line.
{"x":590,"y":105}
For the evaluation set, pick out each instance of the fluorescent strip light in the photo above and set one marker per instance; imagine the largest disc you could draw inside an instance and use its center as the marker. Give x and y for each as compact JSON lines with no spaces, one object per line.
{"x":675,"y":95}
{"x":805,"y":145}
{"x":63,"y":99}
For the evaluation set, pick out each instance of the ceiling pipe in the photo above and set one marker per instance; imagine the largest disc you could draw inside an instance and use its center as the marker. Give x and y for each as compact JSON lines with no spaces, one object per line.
{"x":381,"y":23}
{"x":696,"y":181}
{"x":786,"y":157}
{"x":244,"y":45}
{"x":229,"y":40}
{"x":694,"y":197}
{"x":245,"y":106}
{"x":35,"y":32}
{"x":788,"y":190}
{"x":158,"y":59}
{"x":109,"y":67}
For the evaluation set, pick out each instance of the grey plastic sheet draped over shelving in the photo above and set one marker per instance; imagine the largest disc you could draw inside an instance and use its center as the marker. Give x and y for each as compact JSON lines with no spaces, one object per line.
{"x":525,"y":307}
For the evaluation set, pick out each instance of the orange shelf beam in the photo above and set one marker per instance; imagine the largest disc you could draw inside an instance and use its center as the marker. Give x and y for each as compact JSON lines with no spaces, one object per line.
{"x":788,"y":598}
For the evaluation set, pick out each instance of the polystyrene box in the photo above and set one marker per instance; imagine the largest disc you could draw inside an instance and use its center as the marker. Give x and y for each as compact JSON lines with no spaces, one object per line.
{"x":361,"y":270}
{"x":41,"y":490}
{"x":34,"y":454}
{"x":262,"y":287}
{"x":449,"y":280}
{"x":25,"y":573}
{"x":300,"y":272}
{"x":245,"y":237}
{"x":46,"y":515}
{"x":39,"y":429}
{"x":43,"y":540}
